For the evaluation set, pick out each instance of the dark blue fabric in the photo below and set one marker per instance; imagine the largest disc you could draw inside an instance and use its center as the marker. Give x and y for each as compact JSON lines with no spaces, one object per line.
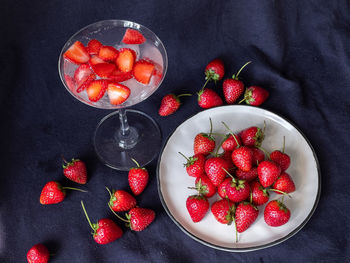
{"x":300,"y":52}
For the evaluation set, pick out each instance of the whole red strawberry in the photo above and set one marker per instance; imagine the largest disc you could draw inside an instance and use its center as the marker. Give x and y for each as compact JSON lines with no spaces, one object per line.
{"x":242,"y":157}
{"x":75,"y":171}
{"x":233,"y":88}
{"x":195,"y":164}
{"x":284,"y":183}
{"x":138,"y":179}
{"x":121,"y":200}
{"x":258,"y":155}
{"x":38,"y":254}
{"x":215,"y":169}
{"x":170,"y":103}
{"x":255,"y":95}
{"x":197,"y":206}
{"x":245,"y":216}
{"x":252,"y":136}
{"x":105,"y":231}
{"x":53,"y":193}
{"x":230,"y":143}
{"x":276,"y":213}
{"x":260,"y":195}
{"x":268,"y":172}
{"x":140,"y":218}
{"x":237,"y":190}
{"x":215,"y":70}
{"x":248,"y":176}
{"x":282,"y":159}
{"x":207,"y":98}
{"x":204,"y":143}
{"x":226,"y":155}
{"x":223,"y":211}
{"x":204,"y":186}
{"x":222,"y":192}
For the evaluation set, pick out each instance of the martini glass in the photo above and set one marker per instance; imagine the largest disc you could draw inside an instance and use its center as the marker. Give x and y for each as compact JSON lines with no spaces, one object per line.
{"x":124,"y":134}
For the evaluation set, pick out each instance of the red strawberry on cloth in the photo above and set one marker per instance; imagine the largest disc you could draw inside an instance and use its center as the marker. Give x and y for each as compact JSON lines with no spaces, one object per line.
{"x":138,"y":179}
{"x":121,"y":200}
{"x":255,"y":95}
{"x":38,"y":254}
{"x":170,"y":104}
{"x":75,"y":170}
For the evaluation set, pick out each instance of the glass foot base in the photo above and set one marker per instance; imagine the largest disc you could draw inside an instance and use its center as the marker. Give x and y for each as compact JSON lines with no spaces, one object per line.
{"x":117,"y":151}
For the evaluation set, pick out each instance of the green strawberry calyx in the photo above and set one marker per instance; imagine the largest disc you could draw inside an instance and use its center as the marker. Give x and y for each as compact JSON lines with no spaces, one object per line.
{"x":201,"y":188}
{"x":137,"y":164}
{"x":190,"y":160}
{"x":248,"y":96}
{"x":282,"y":206}
{"x":211,"y":75}
{"x":67,"y":164}
{"x":231,"y":214}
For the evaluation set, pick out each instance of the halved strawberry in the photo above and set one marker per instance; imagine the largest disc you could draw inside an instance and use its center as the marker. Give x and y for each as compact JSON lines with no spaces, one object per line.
{"x":95,"y":60}
{"x":125,"y":60}
{"x":117,"y":93}
{"x":133,"y":36}
{"x":82,"y":73}
{"x":70,"y":82}
{"x":143,"y":70}
{"x":96,"y":89}
{"x":118,"y":76}
{"x":108,"y":53}
{"x":86,"y":83}
{"x":104,"y":69}
{"x":93,"y":47}
{"x":77,"y":53}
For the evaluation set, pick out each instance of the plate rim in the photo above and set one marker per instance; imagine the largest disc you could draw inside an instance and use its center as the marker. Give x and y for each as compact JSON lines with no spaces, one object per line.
{"x":253,"y":248}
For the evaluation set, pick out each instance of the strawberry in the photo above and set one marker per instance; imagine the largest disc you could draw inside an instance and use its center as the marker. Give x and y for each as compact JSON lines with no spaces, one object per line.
{"x":255,"y":95}
{"x":260,"y":195}
{"x":268,"y":172}
{"x":108,"y":53}
{"x":95,"y":60}
{"x":197,"y":206}
{"x":223,"y":211}
{"x":248,"y":176}
{"x":117,"y":93}
{"x":75,"y":171}
{"x":53,"y":193}
{"x":86,"y":83}
{"x":104,"y":70}
{"x":69,"y":82}
{"x":215,"y":70}
{"x":143,"y":71}
{"x":77,"y":53}
{"x":215,"y":169}
{"x":118,"y":76}
{"x":170,"y":103}
{"x":121,"y":200}
{"x":38,"y":254}
{"x":284,"y":183}
{"x":204,"y":186}
{"x":222,"y":188}
{"x":233,"y":88}
{"x":276,"y":213}
{"x":237,"y":190}
{"x":133,"y":36}
{"x":207,"y":98}
{"x":226,"y":155}
{"x":245,"y":216}
{"x":230,"y":143}
{"x":105,"y":231}
{"x":93,"y":47}
{"x":138,"y":179}
{"x":281,"y":158}
{"x":81,"y":74}
{"x":96,"y":89}
{"x":195,"y":165}
{"x":204,"y":143}
{"x":258,"y":155}
{"x":252,"y":136}
{"x":140,"y":218}
{"x":242,"y":157}
{"x":125,"y":60}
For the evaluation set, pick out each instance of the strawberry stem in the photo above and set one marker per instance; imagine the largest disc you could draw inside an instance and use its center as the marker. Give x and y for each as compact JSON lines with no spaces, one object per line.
{"x":242,"y":100}
{"x":109,"y":191}
{"x":284,"y":143}
{"x":64,"y":160}
{"x":86,"y":215}
{"x":135,"y":162}
{"x":76,"y":189}
{"x":205,"y":84}
{"x":211,"y":126}
{"x":118,"y":216}
{"x":265,"y":151}
{"x":231,"y":132}
{"x":281,"y":192}
{"x":188,"y":160}
{"x":236,"y":76}
{"x":181,"y":95}
{"x":234,"y":222}
{"x":218,"y":134}
{"x":233,"y":179}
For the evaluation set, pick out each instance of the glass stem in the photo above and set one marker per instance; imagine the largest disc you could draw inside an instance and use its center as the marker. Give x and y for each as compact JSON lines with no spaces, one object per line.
{"x":124,"y":126}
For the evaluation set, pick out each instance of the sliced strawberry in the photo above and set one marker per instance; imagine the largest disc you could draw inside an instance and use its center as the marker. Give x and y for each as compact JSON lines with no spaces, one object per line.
{"x":133,"y":36}
{"x":108,"y":53}
{"x":104,"y":69}
{"x":70,"y":82}
{"x":96,"y":89}
{"x":118,"y":76}
{"x":86,"y":83}
{"x":95,"y":60}
{"x":143,"y":70}
{"x":93,"y":47}
{"x":77,"y":53}
{"x":125,"y":60}
{"x":117,"y":93}
{"x":82,"y":73}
